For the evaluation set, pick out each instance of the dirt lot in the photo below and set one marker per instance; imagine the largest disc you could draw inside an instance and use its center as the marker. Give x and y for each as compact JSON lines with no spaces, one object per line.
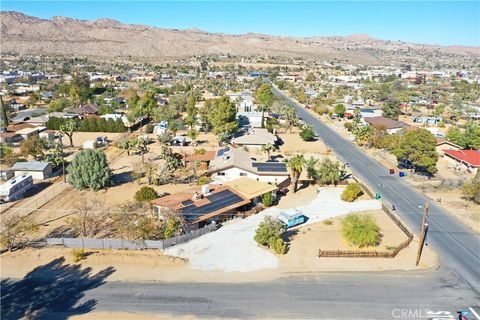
{"x":305,"y":243}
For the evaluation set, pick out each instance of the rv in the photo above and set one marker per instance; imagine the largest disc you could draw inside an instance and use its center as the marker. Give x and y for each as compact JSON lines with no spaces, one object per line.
{"x":14,"y":188}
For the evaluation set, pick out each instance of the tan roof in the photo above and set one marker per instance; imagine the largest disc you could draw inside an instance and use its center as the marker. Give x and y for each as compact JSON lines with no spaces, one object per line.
{"x":207,"y":156}
{"x":258,"y":136}
{"x":385,"y":122}
{"x":250,"y":188}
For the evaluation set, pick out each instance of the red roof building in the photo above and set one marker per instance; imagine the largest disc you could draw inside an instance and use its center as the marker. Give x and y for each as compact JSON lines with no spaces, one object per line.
{"x":470,"y":159}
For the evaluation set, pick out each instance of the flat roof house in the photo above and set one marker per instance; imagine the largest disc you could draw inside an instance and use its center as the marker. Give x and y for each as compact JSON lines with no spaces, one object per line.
{"x":230,"y":164}
{"x":201,"y":205}
{"x":38,"y":170}
{"x":256,"y":138}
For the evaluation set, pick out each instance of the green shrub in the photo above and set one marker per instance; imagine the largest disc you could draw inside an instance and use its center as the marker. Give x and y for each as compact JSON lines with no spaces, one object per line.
{"x":361,"y":230}
{"x":471,"y":190}
{"x":268,"y":230}
{"x":89,"y":169}
{"x":307,"y":134}
{"x":202,"y":180}
{"x":441,"y":124}
{"x":267,"y":199}
{"x":145,"y":194}
{"x":199,"y":151}
{"x":348,"y":126}
{"x":327,"y":222}
{"x":278,"y":246}
{"x":79,"y":254}
{"x":351,"y":192}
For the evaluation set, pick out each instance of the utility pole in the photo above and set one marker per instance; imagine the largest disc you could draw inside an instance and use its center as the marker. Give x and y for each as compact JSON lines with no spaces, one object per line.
{"x":421,"y":238}
{"x":63,"y":160}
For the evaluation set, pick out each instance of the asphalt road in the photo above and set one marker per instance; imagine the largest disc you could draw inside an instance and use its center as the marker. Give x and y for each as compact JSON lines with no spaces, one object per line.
{"x":457,"y":246}
{"x":328,"y":296}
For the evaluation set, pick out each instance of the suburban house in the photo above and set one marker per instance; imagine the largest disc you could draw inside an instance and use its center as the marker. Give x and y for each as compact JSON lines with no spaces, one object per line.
{"x":203,"y":159}
{"x":199,"y":206}
{"x":251,"y":189}
{"x":465,"y":160}
{"x":392,"y":126}
{"x":255,"y":138}
{"x":443,"y":144}
{"x":85,"y":109}
{"x":38,"y":170}
{"x":230,"y":164}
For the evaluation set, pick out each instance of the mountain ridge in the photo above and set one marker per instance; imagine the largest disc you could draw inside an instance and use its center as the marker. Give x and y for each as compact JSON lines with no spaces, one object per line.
{"x":24,"y":34}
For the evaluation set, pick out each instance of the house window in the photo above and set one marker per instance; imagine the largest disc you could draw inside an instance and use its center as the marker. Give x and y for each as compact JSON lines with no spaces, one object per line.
{"x":221,"y":173}
{"x":243,"y":174}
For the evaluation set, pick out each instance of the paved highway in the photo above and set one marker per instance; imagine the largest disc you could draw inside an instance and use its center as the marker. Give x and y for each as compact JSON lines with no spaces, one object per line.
{"x":457,"y":245}
{"x":328,"y":296}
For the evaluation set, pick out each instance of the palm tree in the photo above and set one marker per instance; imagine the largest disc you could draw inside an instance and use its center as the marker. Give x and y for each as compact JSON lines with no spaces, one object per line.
{"x":296,"y":166}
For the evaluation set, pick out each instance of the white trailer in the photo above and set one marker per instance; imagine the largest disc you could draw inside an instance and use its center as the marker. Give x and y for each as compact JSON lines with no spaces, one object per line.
{"x":14,"y":188}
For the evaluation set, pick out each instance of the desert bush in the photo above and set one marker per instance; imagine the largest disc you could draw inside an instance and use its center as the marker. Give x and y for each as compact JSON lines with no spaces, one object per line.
{"x":307,"y":133}
{"x":145,"y":194}
{"x":361,"y":230}
{"x":471,"y":190}
{"x":278,"y":246}
{"x":348,"y":126}
{"x":89,"y":169}
{"x":351,"y":192}
{"x":202,"y":180}
{"x":267,"y":199}
{"x":268,"y":230}
{"x":78,"y":254}
{"x":327,"y":222}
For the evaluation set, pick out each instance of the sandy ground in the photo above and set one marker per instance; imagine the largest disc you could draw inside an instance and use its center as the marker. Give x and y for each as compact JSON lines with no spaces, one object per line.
{"x":293,"y":144}
{"x":131,"y":315}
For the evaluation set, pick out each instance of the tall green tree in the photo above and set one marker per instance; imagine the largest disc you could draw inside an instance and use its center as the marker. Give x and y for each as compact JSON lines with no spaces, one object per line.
{"x":419,"y":147}
{"x":222,"y":117}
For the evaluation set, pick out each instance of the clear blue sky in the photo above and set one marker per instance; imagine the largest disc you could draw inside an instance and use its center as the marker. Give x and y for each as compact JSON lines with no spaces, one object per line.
{"x":432,"y":22}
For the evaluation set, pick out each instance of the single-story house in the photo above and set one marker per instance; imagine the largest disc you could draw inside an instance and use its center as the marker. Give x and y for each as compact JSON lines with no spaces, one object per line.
{"x":256,"y":138}
{"x":202,"y":158}
{"x":38,"y":170}
{"x":252,"y":189}
{"x":252,"y":118}
{"x":427,"y":120}
{"x":231,"y":163}
{"x":466,"y":160}
{"x":200,"y":206}
{"x":392,"y":126}
{"x":85,"y":109}
{"x":443,"y":144}
{"x":30,"y":132}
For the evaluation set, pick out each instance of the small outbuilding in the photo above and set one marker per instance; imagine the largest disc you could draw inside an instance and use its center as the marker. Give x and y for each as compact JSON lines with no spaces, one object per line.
{"x":38,"y":170}
{"x":292,"y":217}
